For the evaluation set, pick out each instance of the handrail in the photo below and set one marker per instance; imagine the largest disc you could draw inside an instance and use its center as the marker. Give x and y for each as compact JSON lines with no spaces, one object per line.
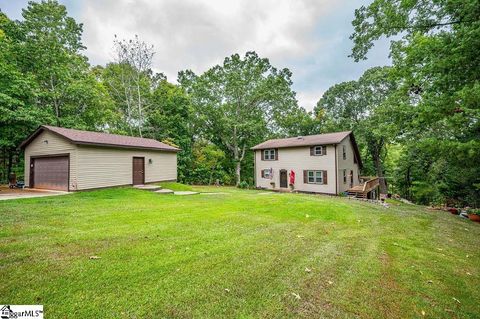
{"x":371,"y":184}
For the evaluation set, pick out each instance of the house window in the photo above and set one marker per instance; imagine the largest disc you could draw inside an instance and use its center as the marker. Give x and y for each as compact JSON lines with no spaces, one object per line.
{"x":315,"y":177}
{"x":344,"y":176}
{"x":267,"y":173}
{"x":318,"y":150}
{"x":344,"y":152}
{"x":269,"y":155}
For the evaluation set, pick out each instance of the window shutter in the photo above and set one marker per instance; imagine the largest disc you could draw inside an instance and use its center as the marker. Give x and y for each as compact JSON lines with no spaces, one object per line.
{"x":305,"y":177}
{"x":312,"y":150}
{"x":276,"y":154}
{"x":263,"y":173}
{"x":324,"y":150}
{"x":263,"y":154}
{"x":325,"y":177}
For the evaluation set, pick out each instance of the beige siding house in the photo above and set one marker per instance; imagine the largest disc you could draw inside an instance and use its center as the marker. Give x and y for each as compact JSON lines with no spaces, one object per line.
{"x":70,"y":160}
{"x":326,"y":163}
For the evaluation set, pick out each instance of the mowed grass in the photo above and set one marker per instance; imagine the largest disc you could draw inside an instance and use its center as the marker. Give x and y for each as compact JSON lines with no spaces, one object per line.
{"x":239,"y":254}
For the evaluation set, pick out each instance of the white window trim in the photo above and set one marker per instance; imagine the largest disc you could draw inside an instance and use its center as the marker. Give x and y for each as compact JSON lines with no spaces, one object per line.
{"x":315,"y":177}
{"x":267,"y":176}
{"x":315,"y":150}
{"x":267,"y":154}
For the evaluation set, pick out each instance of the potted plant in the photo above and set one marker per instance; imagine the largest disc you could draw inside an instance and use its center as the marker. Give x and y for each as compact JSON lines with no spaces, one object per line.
{"x":474,"y":214}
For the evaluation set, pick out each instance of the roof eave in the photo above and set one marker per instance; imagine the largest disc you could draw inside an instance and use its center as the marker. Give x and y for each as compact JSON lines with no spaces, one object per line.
{"x":176,"y":150}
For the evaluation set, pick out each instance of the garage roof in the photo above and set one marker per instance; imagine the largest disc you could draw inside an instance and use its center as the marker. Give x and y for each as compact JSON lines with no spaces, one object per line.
{"x":101,"y":139}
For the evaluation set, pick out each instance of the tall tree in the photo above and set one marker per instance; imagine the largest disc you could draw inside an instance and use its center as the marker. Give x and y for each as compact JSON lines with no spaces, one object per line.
{"x":133,"y":60}
{"x":237,"y":103}
{"x":435,"y":57}
{"x":362,"y":106}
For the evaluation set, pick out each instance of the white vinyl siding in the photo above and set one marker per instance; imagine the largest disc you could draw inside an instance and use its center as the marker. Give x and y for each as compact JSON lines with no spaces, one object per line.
{"x":99,"y":166}
{"x":104,"y":166}
{"x":297,"y":159}
{"x":347,"y":164}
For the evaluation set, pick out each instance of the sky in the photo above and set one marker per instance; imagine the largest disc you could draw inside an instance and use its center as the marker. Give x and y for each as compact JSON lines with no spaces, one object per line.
{"x":310,"y":37}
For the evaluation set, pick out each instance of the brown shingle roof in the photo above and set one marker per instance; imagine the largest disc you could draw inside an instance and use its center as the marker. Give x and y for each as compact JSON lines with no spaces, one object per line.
{"x":105,"y":139}
{"x":309,"y":140}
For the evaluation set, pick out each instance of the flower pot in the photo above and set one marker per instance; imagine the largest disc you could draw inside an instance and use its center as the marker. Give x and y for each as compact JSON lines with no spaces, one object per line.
{"x":474,"y":217}
{"x":453,"y":210}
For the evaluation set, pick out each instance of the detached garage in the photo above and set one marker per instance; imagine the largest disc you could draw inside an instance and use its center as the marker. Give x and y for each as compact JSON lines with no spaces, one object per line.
{"x":65,"y":159}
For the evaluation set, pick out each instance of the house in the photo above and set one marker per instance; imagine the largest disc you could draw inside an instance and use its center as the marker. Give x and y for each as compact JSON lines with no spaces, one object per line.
{"x":325,"y":163}
{"x":69,"y":160}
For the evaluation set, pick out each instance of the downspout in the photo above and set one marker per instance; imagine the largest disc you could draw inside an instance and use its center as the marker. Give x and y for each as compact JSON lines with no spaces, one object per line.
{"x":336,"y":171}
{"x":255,"y":168}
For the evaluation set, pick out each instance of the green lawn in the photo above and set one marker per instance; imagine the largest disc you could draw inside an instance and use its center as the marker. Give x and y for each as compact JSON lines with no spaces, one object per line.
{"x":241,"y":254}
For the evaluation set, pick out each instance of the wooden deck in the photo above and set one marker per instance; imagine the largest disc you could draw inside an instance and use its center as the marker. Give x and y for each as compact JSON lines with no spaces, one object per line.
{"x":361,"y":191}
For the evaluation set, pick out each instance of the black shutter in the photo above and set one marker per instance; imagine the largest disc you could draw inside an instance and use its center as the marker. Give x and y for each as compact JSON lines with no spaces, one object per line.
{"x":305,"y":177}
{"x":325,"y":177}
{"x":324,"y":150}
{"x":263,"y":154}
{"x":312,"y":150}
{"x":263,"y":173}
{"x":276,"y":154}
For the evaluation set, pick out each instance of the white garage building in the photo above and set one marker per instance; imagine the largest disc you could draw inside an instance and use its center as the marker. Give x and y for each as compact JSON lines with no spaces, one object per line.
{"x":69,"y":160}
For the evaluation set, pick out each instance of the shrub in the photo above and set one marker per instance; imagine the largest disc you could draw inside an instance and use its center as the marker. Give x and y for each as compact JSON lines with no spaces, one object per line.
{"x":243,"y":185}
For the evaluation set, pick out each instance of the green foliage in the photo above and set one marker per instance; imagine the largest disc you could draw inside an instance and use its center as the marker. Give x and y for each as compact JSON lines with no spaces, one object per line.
{"x":239,"y":103}
{"x":437,"y":104}
{"x":363,"y":107}
{"x":243,"y":185}
{"x":159,"y":253}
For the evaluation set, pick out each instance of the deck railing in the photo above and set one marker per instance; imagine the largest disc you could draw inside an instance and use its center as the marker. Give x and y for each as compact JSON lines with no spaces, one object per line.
{"x":371,"y":184}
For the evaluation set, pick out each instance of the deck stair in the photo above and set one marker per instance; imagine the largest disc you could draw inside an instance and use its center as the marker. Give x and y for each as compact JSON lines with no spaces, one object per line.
{"x":361,"y":191}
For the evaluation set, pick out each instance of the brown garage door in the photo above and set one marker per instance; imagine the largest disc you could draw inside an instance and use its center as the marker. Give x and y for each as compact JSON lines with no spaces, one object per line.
{"x":51,"y":173}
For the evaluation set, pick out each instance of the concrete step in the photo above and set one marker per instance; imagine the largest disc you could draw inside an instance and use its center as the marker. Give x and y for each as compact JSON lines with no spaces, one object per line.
{"x":151,"y":188}
{"x":183,"y":193}
{"x":164,"y":191}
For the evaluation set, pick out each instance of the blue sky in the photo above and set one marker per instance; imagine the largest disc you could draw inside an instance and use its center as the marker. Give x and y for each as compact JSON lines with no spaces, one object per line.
{"x":310,"y":37}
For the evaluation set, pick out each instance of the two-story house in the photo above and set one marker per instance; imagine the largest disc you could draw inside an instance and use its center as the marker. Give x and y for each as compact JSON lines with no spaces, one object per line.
{"x":325,"y":163}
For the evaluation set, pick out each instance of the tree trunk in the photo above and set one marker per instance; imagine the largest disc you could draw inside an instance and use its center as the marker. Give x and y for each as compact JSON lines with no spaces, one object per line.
{"x":9,"y":163}
{"x":237,"y":172}
{"x":375,"y":147}
{"x":381,"y":178}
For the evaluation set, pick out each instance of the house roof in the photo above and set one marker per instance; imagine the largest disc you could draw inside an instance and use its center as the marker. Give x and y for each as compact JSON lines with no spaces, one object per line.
{"x":101,"y":139}
{"x":311,"y":140}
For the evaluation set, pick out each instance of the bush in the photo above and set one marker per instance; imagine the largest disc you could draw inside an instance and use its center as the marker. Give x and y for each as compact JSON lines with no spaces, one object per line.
{"x":243,"y":185}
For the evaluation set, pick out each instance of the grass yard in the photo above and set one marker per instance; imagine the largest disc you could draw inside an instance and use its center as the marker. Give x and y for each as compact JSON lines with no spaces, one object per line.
{"x":241,"y":254}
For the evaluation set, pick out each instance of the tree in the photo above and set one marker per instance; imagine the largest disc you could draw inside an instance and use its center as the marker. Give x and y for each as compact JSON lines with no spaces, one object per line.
{"x":362,"y":106}
{"x":436,"y":61}
{"x":238,"y":102}
{"x":170,"y":119}
{"x":133,"y":65}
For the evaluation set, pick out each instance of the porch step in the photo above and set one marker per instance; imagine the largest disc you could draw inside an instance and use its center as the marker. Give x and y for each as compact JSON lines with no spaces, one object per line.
{"x":164,"y":191}
{"x":151,"y":188}
{"x":357,"y":194}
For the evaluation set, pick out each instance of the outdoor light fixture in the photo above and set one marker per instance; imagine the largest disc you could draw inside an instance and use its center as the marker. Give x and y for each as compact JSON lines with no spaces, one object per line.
{"x":45,"y":141}
{"x":150,"y":161}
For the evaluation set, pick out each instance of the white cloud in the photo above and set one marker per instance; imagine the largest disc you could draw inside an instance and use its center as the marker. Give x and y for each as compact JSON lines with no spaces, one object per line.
{"x":196,"y":35}
{"x":310,"y":37}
